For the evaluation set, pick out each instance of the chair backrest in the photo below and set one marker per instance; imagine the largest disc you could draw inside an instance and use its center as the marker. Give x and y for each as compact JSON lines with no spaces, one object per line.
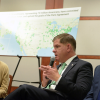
{"x":10,"y":83}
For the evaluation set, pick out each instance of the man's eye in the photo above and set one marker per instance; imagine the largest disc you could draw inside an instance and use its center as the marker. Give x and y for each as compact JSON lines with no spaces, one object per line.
{"x":57,"y":46}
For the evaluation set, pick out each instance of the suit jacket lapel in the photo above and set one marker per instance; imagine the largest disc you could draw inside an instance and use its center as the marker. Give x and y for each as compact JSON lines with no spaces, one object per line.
{"x":58,"y":66}
{"x":70,"y":66}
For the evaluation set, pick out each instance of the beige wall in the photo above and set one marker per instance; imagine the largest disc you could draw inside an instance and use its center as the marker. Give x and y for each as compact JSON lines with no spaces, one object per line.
{"x":22,"y":5}
{"x":88,"y":7}
{"x":88,"y":42}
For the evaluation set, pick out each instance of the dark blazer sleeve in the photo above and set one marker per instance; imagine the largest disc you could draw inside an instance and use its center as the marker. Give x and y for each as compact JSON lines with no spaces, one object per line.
{"x":93,"y":93}
{"x":76,"y":81}
{"x":90,"y":94}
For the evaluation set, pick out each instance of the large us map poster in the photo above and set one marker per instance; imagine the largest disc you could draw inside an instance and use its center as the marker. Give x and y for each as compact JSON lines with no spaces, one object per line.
{"x":30,"y":33}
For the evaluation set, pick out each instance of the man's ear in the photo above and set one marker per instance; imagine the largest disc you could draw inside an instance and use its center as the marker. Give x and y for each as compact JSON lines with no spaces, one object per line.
{"x":68,"y":47}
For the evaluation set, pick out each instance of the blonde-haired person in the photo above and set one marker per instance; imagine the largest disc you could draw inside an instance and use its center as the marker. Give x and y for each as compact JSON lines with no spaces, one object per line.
{"x":4,"y":80}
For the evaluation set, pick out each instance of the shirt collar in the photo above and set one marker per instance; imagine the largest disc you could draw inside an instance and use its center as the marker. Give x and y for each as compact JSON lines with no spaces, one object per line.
{"x":70,"y":59}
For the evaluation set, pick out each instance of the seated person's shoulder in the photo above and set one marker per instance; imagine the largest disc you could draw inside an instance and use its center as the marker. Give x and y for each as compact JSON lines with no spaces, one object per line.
{"x":82,"y":62}
{"x":98,"y":67}
{"x":3,"y":65}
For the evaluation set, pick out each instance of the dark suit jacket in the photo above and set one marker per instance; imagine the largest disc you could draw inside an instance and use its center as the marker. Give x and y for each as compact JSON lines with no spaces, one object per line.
{"x":95,"y":88}
{"x":76,"y":80}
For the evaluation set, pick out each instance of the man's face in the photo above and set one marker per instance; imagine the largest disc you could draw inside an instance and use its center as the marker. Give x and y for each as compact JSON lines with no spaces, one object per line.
{"x":60,"y":50}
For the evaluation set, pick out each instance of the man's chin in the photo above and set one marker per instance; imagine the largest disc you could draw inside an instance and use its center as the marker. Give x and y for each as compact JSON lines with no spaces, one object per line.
{"x":56,"y":59}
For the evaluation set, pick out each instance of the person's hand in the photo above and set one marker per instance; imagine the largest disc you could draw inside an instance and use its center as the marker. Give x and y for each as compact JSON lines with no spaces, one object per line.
{"x":45,"y":80}
{"x":51,"y":73}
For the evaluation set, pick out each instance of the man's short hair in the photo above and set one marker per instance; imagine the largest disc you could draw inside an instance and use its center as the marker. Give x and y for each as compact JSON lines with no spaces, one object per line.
{"x":66,"y":38}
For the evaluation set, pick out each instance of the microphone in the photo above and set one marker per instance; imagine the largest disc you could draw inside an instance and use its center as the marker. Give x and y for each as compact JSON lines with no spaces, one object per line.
{"x":52,"y":59}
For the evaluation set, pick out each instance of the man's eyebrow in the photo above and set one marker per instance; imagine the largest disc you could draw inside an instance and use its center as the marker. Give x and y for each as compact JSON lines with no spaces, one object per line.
{"x":56,"y":45}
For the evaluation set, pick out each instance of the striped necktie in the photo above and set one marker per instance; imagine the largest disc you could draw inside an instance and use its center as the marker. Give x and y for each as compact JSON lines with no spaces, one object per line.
{"x":60,"y":71}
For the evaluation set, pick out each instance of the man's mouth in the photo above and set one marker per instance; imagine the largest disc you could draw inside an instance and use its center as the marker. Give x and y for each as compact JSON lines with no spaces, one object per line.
{"x":55,"y":55}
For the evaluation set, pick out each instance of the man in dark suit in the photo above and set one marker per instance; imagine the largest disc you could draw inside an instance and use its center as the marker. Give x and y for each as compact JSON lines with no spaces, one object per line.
{"x":94,"y":93}
{"x":71,"y":81}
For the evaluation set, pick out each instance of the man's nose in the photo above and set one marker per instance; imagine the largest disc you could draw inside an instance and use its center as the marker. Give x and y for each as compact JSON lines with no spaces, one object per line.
{"x":53,"y":50}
